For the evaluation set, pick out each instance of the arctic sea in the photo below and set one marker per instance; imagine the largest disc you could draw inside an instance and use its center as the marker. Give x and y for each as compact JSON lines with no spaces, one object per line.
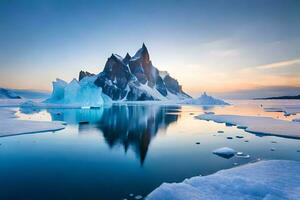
{"x":123,"y":151}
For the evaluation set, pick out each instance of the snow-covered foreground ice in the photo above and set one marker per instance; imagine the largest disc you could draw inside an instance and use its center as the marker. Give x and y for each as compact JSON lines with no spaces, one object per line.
{"x":10,"y":125}
{"x":268,"y":180}
{"x":261,"y":125}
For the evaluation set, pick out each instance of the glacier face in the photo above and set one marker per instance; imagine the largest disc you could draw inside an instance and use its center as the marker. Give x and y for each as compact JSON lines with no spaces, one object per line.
{"x":79,"y":93}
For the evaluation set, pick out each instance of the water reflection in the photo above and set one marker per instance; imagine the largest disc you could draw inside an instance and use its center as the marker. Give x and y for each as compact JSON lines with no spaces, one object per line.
{"x":127,"y":125}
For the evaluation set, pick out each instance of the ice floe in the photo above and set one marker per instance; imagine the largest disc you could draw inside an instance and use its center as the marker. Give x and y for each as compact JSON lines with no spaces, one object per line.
{"x":274,"y":179}
{"x":257,"y":124}
{"x":10,"y":125}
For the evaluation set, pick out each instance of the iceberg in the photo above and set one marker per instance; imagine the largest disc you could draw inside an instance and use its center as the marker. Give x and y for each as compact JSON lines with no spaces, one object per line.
{"x":83,"y":93}
{"x":273,"y":179}
{"x":205,"y":100}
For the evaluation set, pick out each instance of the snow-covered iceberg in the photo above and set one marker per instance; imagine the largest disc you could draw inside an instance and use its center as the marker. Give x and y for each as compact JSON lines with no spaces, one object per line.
{"x":83,"y":93}
{"x":274,"y":179}
{"x":205,"y":100}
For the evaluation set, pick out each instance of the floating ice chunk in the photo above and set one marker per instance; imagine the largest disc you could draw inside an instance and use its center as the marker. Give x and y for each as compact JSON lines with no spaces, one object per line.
{"x":138,"y":197}
{"x":239,"y":153}
{"x":225,"y":152}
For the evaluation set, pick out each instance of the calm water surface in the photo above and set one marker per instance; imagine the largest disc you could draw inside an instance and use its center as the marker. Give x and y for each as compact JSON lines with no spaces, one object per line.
{"x":127,"y":149}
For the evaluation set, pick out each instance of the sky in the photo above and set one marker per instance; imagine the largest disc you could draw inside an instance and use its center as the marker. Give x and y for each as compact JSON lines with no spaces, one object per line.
{"x":213,"y":45}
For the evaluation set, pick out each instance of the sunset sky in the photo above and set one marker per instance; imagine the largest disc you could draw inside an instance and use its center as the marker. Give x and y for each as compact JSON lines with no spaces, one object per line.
{"x":214,"y":46}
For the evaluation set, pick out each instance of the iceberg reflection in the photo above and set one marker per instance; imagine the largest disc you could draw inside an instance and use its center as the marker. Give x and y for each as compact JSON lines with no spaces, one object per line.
{"x":132,"y":126}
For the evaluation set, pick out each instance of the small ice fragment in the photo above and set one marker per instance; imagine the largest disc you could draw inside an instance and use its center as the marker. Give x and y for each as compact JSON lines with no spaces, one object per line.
{"x":131,"y":194}
{"x":235,"y":164}
{"x":239,"y":153}
{"x":246,"y":156}
{"x":224,"y":152}
{"x":209,"y":113}
{"x":138,"y":197}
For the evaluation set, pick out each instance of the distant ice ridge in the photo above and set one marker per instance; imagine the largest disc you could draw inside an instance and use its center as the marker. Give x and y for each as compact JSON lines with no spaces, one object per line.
{"x":82,"y":93}
{"x":205,"y":99}
{"x":273,"y":179}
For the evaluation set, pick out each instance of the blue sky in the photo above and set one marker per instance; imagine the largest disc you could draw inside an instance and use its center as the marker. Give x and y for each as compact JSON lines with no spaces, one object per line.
{"x":207,"y":45}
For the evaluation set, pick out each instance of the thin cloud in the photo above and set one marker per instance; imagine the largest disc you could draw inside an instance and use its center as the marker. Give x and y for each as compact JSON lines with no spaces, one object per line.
{"x":281,"y":64}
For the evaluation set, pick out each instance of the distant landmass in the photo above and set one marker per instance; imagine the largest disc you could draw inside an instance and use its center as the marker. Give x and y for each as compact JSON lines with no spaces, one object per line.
{"x":280,"y":97}
{"x":262,"y":92}
{"x":6,"y":93}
